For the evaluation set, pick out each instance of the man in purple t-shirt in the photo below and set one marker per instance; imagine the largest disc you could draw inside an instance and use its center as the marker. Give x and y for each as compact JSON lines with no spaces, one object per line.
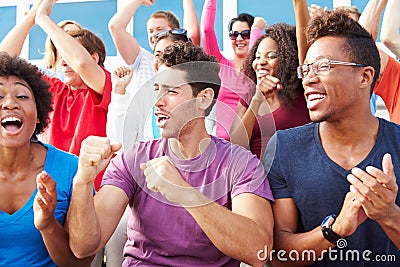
{"x":195,"y":200}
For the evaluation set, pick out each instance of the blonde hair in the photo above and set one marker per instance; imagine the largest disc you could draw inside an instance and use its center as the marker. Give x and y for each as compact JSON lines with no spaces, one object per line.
{"x":173,"y":21}
{"x":50,"y":53}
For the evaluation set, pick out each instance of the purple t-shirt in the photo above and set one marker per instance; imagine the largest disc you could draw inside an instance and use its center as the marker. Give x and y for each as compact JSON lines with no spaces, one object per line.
{"x":164,"y":233}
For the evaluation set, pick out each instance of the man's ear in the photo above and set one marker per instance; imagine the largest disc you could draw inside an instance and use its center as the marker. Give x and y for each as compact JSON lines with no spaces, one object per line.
{"x":367,"y":77}
{"x":206,"y":97}
{"x":95,"y":57}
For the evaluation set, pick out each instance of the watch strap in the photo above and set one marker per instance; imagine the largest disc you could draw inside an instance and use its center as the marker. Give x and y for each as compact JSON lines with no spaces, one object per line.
{"x":330,"y":235}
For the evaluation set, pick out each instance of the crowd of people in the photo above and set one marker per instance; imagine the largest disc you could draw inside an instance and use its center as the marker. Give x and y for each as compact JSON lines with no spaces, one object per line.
{"x":183,"y":157}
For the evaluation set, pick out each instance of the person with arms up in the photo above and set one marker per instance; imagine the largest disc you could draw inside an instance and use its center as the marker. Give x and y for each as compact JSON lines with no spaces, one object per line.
{"x":335,"y":178}
{"x":32,"y":208}
{"x":51,"y":57}
{"x":390,"y":35}
{"x":244,"y":30}
{"x":80,"y":102}
{"x":141,"y":62}
{"x":131,"y":104}
{"x":388,"y":85}
{"x":191,"y":202}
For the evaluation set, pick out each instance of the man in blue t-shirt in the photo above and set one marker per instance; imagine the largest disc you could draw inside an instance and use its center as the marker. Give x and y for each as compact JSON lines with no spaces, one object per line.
{"x":334,"y":180}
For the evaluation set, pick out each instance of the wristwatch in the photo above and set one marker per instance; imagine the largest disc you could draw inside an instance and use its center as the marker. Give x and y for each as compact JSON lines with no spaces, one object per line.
{"x":326,"y":227}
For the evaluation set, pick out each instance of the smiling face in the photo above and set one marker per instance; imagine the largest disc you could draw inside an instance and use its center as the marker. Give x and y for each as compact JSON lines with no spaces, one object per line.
{"x":18,"y":112}
{"x":155,"y":26}
{"x":334,"y":94}
{"x":158,"y":49}
{"x":266,"y":60}
{"x":240,"y":46}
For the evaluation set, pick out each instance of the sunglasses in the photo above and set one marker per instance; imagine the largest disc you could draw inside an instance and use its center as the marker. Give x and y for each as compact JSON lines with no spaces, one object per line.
{"x":233,"y":35}
{"x":180,"y":33}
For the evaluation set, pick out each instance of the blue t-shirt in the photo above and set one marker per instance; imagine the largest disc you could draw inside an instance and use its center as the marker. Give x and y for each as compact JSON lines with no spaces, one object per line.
{"x":303,"y":171}
{"x":21,"y":244}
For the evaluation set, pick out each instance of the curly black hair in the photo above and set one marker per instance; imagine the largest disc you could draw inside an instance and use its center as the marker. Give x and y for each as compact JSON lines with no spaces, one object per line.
{"x":203,"y":75}
{"x":285,"y":36}
{"x":18,"y":67}
{"x":358,"y":44}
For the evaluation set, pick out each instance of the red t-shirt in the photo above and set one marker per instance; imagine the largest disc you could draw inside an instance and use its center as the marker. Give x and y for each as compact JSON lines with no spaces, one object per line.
{"x":389,"y":89}
{"x":76,"y":115}
{"x":281,"y":119}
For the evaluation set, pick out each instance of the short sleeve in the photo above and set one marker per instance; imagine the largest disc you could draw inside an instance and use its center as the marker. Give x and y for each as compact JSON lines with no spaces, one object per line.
{"x":272,"y":166}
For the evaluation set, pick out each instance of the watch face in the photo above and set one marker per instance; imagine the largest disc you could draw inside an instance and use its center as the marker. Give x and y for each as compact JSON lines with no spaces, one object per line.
{"x":328,"y":221}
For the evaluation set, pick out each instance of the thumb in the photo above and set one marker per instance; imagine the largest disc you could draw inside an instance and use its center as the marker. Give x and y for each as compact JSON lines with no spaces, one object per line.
{"x":387,"y":165}
{"x":115,"y":147}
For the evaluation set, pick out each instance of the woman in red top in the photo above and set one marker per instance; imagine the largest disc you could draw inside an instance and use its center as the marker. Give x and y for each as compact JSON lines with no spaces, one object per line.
{"x":276,"y":102}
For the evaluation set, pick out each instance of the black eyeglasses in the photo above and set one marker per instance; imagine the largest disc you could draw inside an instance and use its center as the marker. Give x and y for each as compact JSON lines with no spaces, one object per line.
{"x":322,"y":65}
{"x":181,"y":34}
{"x":233,"y":35}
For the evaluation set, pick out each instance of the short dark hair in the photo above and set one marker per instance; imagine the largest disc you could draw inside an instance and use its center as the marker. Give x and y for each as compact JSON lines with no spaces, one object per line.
{"x":203,"y":75}
{"x":18,"y":67}
{"x":358,"y":43}
{"x":249,"y":19}
{"x":91,"y":42}
{"x":172,"y":36}
{"x":173,"y":21}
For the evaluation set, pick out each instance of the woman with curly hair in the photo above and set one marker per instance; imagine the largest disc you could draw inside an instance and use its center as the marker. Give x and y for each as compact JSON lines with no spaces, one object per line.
{"x":32,"y":208}
{"x":276,"y":100}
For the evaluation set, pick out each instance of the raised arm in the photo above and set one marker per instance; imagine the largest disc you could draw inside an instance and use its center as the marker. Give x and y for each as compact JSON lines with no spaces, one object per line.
{"x":125,"y":42}
{"x":209,"y":38}
{"x":369,"y":19}
{"x":390,"y":27}
{"x":117,"y":109}
{"x":191,"y":22}
{"x":14,"y":40}
{"x":74,"y":54}
{"x":92,"y":220}
{"x":302,"y":18}
{"x":257,"y":28}
{"x":370,"y":16}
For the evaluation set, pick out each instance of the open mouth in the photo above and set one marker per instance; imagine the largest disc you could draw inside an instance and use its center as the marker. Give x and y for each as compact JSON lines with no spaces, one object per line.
{"x":161,"y":120}
{"x":11,"y":124}
{"x":314,"y":97}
